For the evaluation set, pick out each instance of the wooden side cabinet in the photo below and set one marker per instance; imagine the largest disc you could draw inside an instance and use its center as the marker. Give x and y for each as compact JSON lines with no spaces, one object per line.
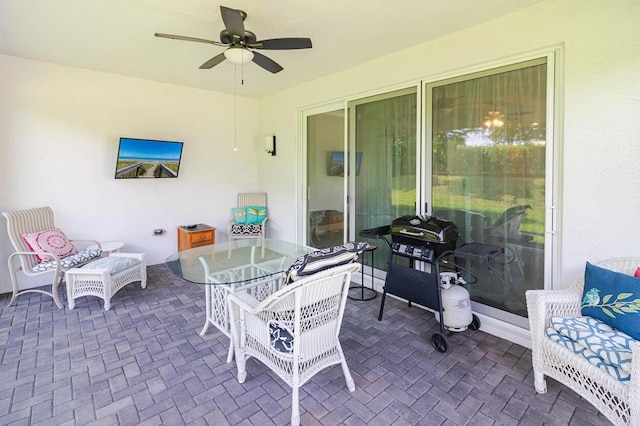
{"x":336,"y":222}
{"x":201,"y":235}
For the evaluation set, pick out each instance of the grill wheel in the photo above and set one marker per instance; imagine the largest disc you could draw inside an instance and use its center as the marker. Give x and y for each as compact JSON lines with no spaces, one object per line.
{"x":439,"y":342}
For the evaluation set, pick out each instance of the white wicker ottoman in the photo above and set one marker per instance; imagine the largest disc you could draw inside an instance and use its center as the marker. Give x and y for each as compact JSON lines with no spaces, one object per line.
{"x":104,"y":277}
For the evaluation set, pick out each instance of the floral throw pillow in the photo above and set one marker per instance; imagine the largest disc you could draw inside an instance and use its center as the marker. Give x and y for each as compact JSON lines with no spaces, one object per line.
{"x":613,"y":298}
{"x":49,"y":241}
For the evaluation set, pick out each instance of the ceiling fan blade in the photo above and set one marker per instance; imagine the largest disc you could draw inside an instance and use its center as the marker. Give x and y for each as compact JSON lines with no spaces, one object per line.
{"x":213,"y":62}
{"x":186,"y":38}
{"x":266,"y":63}
{"x":233,"y":21}
{"x":282,"y":44}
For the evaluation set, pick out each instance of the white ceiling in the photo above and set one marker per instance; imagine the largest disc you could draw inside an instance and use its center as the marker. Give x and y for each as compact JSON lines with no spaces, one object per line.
{"x":117,"y":36}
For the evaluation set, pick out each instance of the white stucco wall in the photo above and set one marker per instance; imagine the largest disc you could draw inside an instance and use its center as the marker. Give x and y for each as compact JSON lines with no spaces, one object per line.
{"x":59,"y":133}
{"x":600,"y":146}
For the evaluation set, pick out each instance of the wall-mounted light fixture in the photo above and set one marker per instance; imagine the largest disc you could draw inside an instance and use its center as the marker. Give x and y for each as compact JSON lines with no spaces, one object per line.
{"x":270,"y":144}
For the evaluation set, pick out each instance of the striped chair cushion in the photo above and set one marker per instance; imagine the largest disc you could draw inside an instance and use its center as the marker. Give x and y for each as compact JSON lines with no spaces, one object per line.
{"x":322,"y":259}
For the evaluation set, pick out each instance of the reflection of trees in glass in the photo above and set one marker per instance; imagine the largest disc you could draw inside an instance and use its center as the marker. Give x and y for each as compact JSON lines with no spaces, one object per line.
{"x":474,"y":167}
{"x":516,"y":133}
{"x":517,"y":157}
{"x":404,"y":162}
{"x":442,"y":142}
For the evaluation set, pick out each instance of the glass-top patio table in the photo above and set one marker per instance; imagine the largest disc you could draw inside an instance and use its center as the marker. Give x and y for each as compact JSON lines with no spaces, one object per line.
{"x":255,"y":265}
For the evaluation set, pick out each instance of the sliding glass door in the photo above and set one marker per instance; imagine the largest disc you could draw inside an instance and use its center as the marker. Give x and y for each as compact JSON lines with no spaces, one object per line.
{"x":476,"y":149}
{"x":383,"y":136}
{"x":325,"y":178}
{"x":487,"y":135}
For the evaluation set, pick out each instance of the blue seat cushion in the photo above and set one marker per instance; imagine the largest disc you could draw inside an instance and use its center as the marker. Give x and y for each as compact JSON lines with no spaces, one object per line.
{"x":77,"y":259}
{"x":596,"y":341}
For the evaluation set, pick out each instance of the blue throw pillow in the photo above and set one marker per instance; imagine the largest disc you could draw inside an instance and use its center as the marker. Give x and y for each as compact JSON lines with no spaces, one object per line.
{"x":613,"y":298}
{"x":256,"y":214}
{"x":281,"y":339}
{"x":239,"y":215}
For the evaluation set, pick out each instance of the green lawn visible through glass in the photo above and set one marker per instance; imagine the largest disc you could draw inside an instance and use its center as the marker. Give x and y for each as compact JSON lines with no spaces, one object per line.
{"x":443,"y":197}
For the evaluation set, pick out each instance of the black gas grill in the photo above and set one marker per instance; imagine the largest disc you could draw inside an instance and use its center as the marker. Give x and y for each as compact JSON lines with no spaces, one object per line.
{"x":423,"y":237}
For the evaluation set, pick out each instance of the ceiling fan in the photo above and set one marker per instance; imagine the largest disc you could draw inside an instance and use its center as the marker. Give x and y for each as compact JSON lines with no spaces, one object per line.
{"x":242,"y":44}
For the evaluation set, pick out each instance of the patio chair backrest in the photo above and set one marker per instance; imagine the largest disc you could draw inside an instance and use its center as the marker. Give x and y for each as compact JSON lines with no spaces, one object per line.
{"x":252,"y":199}
{"x":21,"y":222}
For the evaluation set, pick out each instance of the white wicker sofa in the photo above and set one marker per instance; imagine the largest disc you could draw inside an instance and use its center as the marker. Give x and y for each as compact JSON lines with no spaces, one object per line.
{"x":618,"y":400}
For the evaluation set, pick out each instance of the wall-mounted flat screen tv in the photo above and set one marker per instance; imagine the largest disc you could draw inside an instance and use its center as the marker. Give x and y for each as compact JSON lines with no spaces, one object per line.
{"x":145,"y":158}
{"x":336,"y":163}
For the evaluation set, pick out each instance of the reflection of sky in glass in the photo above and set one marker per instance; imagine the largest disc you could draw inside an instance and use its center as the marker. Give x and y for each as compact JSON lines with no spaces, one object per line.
{"x":141,"y":149}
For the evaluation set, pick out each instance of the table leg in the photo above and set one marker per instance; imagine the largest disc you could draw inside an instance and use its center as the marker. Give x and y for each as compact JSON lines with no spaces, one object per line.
{"x":372,"y":294}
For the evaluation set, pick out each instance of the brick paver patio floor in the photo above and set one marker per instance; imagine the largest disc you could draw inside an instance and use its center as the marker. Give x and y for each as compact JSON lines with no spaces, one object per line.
{"x":143,"y":362}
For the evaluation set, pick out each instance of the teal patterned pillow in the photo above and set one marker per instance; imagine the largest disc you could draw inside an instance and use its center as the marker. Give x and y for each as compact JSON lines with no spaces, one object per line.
{"x":239,"y":215}
{"x":613,"y":298}
{"x":256,"y":214}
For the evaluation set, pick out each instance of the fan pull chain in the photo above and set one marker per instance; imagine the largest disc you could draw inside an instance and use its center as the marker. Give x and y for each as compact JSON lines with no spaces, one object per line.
{"x":235,"y":108}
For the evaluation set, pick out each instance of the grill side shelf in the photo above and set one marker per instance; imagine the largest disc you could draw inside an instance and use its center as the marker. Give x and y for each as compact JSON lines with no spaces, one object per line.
{"x":378,"y":232}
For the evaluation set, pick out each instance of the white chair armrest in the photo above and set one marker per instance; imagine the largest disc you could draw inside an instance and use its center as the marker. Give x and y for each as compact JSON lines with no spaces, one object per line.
{"x":542,"y":305}
{"x":244,"y":301}
{"x":33,"y":253}
{"x":83,"y":244}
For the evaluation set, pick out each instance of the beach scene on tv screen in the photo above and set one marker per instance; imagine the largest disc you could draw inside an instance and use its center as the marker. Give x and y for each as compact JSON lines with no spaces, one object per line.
{"x":141,"y":158}
{"x":336,"y":165}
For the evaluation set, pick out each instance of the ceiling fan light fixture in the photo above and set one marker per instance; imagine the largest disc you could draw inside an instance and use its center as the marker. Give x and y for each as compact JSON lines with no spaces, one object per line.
{"x":238,"y":55}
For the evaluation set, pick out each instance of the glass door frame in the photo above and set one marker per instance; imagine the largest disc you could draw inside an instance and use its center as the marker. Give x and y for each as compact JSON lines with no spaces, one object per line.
{"x":553,"y":180}
{"x":552,"y":157}
{"x":351,"y":106}
{"x":302,"y":195}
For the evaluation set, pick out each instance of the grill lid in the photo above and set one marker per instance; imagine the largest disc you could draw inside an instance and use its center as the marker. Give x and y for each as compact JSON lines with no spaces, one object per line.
{"x":423,"y":230}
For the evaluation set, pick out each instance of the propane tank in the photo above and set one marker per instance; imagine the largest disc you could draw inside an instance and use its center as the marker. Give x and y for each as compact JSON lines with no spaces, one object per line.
{"x":456,"y":304}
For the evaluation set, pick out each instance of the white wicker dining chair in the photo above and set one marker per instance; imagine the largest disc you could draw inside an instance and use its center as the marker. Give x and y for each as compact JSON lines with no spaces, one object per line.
{"x":294,"y":332}
{"x":22,"y":222}
{"x":618,"y":401}
{"x":242,"y":231}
